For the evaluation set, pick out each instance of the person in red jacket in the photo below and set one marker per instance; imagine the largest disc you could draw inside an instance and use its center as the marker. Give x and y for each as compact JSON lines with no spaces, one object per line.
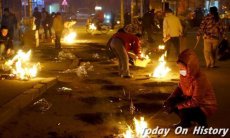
{"x":194,"y":98}
{"x":121,"y":43}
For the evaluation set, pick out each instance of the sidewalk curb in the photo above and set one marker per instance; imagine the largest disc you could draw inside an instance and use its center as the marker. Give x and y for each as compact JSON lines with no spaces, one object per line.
{"x":13,"y":107}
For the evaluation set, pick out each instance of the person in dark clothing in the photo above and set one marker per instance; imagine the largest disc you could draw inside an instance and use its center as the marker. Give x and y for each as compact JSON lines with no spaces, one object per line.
{"x":112,"y":20}
{"x":147,"y":24}
{"x":9,"y":20}
{"x":37,"y":15}
{"x":45,"y":21}
{"x":6,"y":45}
{"x":58,"y":26}
{"x":127,"y":18}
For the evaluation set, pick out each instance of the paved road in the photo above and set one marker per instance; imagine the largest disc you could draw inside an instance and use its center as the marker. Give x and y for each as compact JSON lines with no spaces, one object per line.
{"x":99,"y":105}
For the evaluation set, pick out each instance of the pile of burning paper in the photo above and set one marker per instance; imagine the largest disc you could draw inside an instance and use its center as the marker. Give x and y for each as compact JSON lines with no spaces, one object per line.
{"x":138,"y":129}
{"x":21,"y":67}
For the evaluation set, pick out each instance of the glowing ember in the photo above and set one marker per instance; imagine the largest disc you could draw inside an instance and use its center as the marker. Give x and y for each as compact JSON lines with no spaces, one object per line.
{"x":142,"y":62}
{"x":161,"y":70}
{"x":69,"y":38}
{"x":139,"y":128}
{"x":21,"y":67}
{"x":161,"y":47}
{"x":92,"y":26}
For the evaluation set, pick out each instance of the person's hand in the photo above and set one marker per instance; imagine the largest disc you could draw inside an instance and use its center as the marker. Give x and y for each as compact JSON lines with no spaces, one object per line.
{"x":168,"y":107}
{"x":8,"y":51}
{"x":197,"y":38}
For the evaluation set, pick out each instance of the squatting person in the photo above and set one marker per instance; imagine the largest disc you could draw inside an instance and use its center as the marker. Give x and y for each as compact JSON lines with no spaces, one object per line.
{"x":194,"y":98}
{"x":6,"y":44}
{"x":121,"y":43}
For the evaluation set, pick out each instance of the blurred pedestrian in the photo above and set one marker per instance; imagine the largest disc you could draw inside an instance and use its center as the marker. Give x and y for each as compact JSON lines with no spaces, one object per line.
{"x":58,"y":26}
{"x":37,"y":15}
{"x":9,"y":20}
{"x":194,"y":98}
{"x":121,"y":43}
{"x":112,"y":20}
{"x":172,"y":30}
{"x":213,"y":31}
{"x":6,"y":44}
{"x":45,"y":22}
{"x":148,"y":23}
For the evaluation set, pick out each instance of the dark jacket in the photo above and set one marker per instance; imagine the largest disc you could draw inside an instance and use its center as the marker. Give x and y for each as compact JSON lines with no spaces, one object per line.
{"x":6,"y":41}
{"x":148,"y":19}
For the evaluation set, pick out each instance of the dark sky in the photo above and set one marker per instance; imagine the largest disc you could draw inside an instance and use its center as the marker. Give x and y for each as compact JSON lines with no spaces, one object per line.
{"x":108,"y":5}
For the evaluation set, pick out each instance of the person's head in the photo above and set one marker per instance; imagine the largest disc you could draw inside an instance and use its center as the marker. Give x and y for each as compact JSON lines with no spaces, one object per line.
{"x":36,"y":9}
{"x":152,"y":10}
{"x":188,"y":63}
{"x":4,"y":31}
{"x":121,"y":30}
{"x":58,"y":14}
{"x":6,"y":10}
{"x":168,"y":10}
{"x":214,"y":11}
{"x":138,"y":35}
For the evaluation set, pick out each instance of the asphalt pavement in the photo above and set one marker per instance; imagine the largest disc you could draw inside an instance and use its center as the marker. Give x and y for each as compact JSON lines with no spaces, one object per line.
{"x":98,"y":104}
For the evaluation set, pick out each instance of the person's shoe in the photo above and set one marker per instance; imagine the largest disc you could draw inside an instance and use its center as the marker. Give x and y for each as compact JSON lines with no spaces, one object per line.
{"x":127,"y":76}
{"x":214,"y":67}
{"x":182,"y":124}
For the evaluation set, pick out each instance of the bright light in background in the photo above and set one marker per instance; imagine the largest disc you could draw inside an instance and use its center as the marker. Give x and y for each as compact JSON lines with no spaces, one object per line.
{"x":98,"y":8}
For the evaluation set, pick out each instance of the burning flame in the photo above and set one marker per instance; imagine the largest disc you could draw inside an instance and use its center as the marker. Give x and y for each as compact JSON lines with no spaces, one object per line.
{"x":69,"y":38}
{"x":92,"y":26}
{"x":142,"y":62}
{"x":21,"y":67}
{"x":161,"y":70}
{"x":138,"y":132}
{"x":128,"y":133}
{"x":161,"y":47}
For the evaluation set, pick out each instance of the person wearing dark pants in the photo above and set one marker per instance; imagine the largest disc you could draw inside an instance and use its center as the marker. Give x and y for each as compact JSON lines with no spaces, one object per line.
{"x":173,"y":42}
{"x":194,"y":98}
{"x":58,"y":39}
{"x":172,"y":30}
{"x":58,"y":27}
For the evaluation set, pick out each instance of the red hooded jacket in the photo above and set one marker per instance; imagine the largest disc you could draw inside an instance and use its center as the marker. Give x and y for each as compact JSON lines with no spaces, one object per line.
{"x":195,"y":85}
{"x":130,"y":41}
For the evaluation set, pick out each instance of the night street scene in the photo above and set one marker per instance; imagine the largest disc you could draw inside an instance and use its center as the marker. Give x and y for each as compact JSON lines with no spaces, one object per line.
{"x":114,"y":68}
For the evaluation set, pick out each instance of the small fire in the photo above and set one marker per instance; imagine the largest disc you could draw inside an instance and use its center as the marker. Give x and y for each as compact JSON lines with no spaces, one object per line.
{"x":139,"y":128}
{"x":69,"y":38}
{"x":161,"y":47}
{"x":142,"y":62}
{"x":92,"y":26}
{"x":161,"y":70}
{"x":128,"y":133}
{"x":21,"y":67}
